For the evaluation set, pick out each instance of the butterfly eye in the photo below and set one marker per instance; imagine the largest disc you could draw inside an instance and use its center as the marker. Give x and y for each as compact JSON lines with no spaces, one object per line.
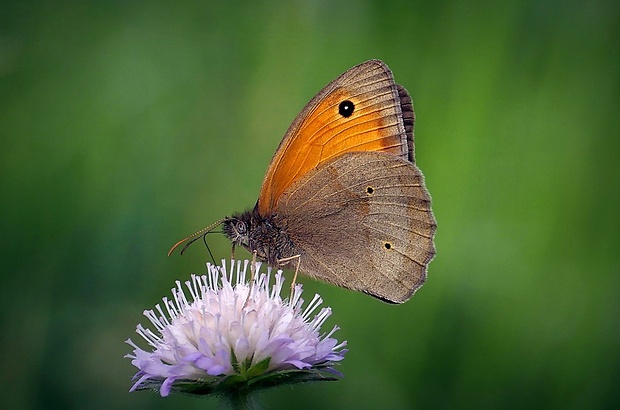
{"x":240,"y":227}
{"x":346,"y":108}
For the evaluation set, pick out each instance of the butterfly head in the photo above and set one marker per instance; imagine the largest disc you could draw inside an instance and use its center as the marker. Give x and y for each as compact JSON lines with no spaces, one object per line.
{"x":237,"y":229}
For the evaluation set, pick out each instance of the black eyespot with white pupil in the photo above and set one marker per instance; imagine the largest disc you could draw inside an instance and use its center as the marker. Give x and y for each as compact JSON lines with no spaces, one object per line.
{"x":346,"y":108}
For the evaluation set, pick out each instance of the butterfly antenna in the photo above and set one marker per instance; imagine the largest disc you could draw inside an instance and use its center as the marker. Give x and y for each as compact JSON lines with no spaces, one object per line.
{"x":194,"y":237}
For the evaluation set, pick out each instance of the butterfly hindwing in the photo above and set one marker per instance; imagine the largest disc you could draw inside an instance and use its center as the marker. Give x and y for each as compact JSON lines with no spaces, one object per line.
{"x":377,"y":227}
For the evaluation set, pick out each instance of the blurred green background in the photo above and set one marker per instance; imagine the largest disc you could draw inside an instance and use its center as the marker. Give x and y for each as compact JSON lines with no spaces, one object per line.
{"x":128,"y":125}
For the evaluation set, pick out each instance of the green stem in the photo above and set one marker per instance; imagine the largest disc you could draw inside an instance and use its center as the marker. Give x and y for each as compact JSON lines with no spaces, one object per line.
{"x":239,"y":400}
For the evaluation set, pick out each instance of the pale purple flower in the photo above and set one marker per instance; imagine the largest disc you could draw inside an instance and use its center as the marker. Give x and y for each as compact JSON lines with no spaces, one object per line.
{"x":231,"y":334}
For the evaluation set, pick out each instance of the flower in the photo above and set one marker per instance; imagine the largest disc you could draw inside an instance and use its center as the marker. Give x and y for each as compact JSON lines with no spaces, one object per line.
{"x":234,"y":336}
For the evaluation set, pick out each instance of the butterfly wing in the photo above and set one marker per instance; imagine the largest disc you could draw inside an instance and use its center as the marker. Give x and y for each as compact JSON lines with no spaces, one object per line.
{"x":379,"y":118}
{"x":362,"y":221}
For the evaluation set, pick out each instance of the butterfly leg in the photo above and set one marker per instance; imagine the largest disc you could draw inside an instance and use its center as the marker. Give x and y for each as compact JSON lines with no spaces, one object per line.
{"x":253,"y":267}
{"x":252,"y":276}
{"x":295,"y":276}
{"x":290,"y":258}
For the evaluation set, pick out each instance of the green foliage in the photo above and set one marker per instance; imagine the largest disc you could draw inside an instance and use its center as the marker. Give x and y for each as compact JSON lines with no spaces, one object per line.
{"x":125,"y":126}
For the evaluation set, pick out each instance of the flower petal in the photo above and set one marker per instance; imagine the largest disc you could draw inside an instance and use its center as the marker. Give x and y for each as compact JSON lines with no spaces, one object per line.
{"x":230,"y":331}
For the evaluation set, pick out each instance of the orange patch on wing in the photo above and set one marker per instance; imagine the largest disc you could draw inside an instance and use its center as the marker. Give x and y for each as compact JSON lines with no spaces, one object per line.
{"x":375,"y":125}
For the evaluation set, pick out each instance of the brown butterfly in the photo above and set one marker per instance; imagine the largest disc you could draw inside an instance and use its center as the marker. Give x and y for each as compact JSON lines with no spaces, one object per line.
{"x":342,"y":200}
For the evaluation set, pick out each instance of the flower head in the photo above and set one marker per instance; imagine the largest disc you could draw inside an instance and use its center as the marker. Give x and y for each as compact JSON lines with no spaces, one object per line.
{"x":231,"y":335}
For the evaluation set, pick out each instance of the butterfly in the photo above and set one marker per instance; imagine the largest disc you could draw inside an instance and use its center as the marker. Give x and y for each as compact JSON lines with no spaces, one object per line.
{"x":342,"y":200}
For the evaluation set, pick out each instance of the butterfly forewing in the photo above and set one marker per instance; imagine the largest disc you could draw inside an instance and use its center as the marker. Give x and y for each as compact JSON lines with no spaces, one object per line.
{"x":321,"y":131}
